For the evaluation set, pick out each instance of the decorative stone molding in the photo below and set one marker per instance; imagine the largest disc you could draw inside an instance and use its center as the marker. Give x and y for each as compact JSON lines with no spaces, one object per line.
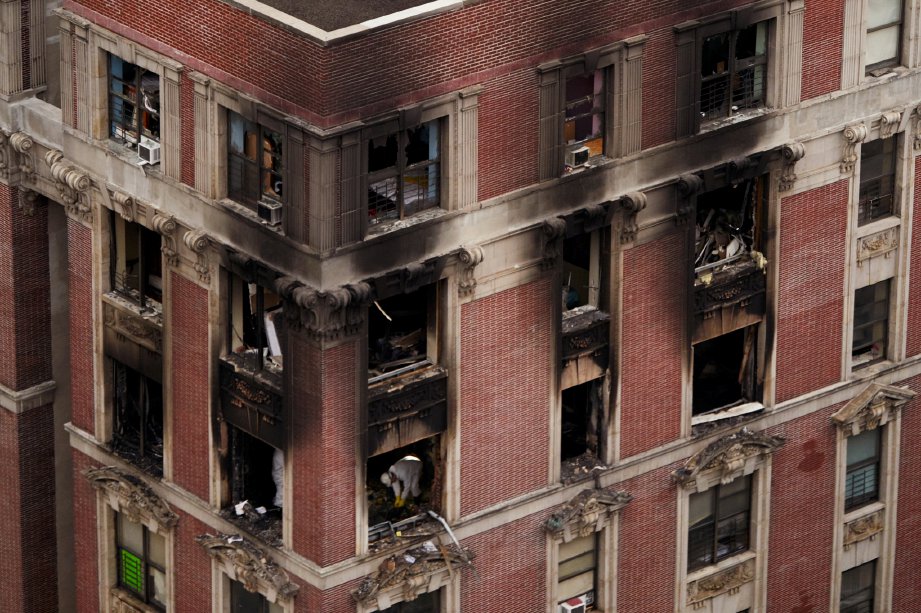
{"x":917,"y":141}
{"x":725,"y":581}
{"x":632,"y":203}
{"x":122,"y":602}
{"x":22,"y":143}
{"x":688,"y":186}
{"x":127,"y":206}
{"x":862,"y":528}
{"x":27,"y":200}
{"x":727,"y":457}
{"x":586,"y":513}
{"x":243,"y":561}
{"x":553,"y":231}
{"x":130,"y":495}
{"x":324,"y":315}
{"x":879,"y":244}
{"x":875,"y":406}
{"x":791,"y":154}
{"x":889,"y":123}
{"x":4,"y":156}
{"x":72,"y":184}
{"x":166,"y":226}
{"x":198,"y":242}
{"x":469,"y":257}
{"x":853,"y":136}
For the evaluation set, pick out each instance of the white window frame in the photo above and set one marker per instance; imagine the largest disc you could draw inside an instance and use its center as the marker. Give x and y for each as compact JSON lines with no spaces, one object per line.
{"x":853,"y":69}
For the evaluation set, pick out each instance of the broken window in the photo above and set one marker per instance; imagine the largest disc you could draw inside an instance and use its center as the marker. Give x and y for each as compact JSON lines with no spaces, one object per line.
{"x":402,"y":334}
{"x":729,"y":223}
{"x":878,"y":161}
{"x":871,"y":323}
{"x":244,"y":601}
{"x":254,"y":166}
{"x":583,"y":122}
{"x":141,"y":562}
{"x":404,"y":172}
{"x":136,"y":266}
{"x":719,"y":523}
{"x":883,"y":44}
{"x":256,"y":475}
{"x":255,"y":326}
{"x":134,"y":104}
{"x":582,"y":270}
{"x":138,"y":423}
{"x":577,"y":573}
{"x":581,"y":427}
{"x":861,"y":484}
{"x":733,"y":71}
{"x":725,"y":373}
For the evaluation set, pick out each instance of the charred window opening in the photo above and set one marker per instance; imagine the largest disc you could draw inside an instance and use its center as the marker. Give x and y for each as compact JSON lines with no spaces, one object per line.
{"x":401,"y":334}
{"x":583,"y":125}
{"x":582,"y":271}
{"x":725,"y":373}
{"x":402,"y":485}
{"x":404,"y":172}
{"x":430,"y":602}
{"x":733,"y":71}
{"x":244,"y":601}
{"x":581,"y":427}
{"x":871,"y":323}
{"x":255,"y":326}
{"x":729,"y":224}
{"x":256,"y":485}
{"x":138,"y":424}
{"x":878,"y":160}
{"x":136,"y":268}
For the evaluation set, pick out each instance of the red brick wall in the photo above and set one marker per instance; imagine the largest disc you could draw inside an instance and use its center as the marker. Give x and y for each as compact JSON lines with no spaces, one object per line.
{"x":906,"y":589}
{"x":646,"y":554}
{"x":505,"y":394}
{"x":85,"y":549}
{"x":190,"y":366}
{"x":659,"y":81}
{"x":813,"y":226}
{"x":187,"y":128}
{"x":511,"y":568}
{"x":913,"y":341}
{"x":823,"y":37}
{"x":325,"y":450}
{"x":80,"y":294}
{"x":192,"y":572}
{"x":654,"y":339}
{"x":334,"y":600}
{"x":25,"y":304}
{"x":802,"y":513}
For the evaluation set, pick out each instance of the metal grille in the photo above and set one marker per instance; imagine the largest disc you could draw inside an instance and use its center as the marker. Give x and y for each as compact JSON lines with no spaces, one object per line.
{"x":861,"y":486}
{"x":131,"y":572}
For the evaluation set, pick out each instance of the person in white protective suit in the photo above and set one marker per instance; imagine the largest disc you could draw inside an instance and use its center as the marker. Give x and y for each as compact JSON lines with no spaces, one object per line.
{"x":403,"y":477}
{"x":278,"y":476}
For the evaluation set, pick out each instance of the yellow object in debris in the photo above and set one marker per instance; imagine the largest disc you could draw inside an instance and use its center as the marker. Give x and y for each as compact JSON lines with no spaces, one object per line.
{"x":399,"y":502}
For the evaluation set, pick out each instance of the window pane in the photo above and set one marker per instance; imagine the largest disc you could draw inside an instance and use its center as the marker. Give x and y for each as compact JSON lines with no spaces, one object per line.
{"x":271,"y":164}
{"x":715,"y":55}
{"x":157,"y":584}
{"x":243,"y":601}
{"x":130,"y":534}
{"x":862,"y":447}
{"x":422,"y":143}
{"x":752,"y":41}
{"x":382,"y":200}
{"x":882,"y":12}
{"x":382,"y":152}
{"x":701,"y":508}
{"x":857,"y":588}
{"x":131,"y":572}
{"x":883,"y":46}
{"x":732,"y":535}
{"x":700,"y":545}
{"x":156,"y":549}
{"x":861,"y":486}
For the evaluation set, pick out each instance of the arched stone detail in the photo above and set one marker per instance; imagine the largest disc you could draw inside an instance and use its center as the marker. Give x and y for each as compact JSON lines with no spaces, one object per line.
{"x":587,"y":512}
{"x":130,"y":495}
{"x":727,"y":457}
{"x":243,"y":561}
{"x":875,"y":406}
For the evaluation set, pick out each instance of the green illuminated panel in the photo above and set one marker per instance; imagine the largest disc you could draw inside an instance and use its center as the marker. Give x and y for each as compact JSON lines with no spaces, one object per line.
{"x":131,"y":571}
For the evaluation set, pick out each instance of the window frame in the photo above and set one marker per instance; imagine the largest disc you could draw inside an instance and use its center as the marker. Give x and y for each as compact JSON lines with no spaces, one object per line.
{"x":594,"y":568}
{"x":715,"y":499}
{"x":865,"y":184}
{"x":733,"y":70}
{"x":604,"y":109}
{"x":852,"y":502}
{"x":858,"y":360}
{"x":136,"y":100}
{"x":867,"y":590}
{"x":262,"y":127}
{"x":266,"y":606}
{"x":144,"y":558}
{"x":117,"y":279}
{"x":896,"y":60}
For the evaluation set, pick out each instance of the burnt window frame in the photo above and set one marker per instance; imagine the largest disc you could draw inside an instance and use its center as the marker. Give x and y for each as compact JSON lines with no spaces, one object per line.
{"x":145,"y":293}
{"x":878,"y":187}
{"x":232,"y":336}
{"x":264,"y":606}
{"x":601,"y":107}
{"x":732,"y":72}
{"x":144,"y":557}
{"x":145,"y":451}
{"x":865,"y":592}
{"x":859,"y":468}
{"x":713,"y":520}
{"x":883,"y":65}
{"x":863,"y":356}
{"x":263,"y":125}
{"x":135,"y":99}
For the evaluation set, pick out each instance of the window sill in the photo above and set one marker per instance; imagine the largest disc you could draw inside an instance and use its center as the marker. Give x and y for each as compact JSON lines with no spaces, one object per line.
{"x":722,"y":565}
{"x":129,"y":155}
{"x":878,"y":225}
{"x":868,"y":509}
{"x":741,"y":116}
{"x":248,"y":213}
{"x":385,"y":227}
{"x":124,"y":602}
{"x":869,"y":367}
{"x":591,"y":164}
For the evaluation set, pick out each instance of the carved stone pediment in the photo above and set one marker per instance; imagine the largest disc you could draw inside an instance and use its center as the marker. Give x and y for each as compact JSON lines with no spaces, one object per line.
{"x":248,"y":564}
{"x":586,"y":513}
{"x":131,"y":496}
{"x":876,"y":405}
{"x":725,"y":581}
{"x":727,"y":457}
{"x":862,"y":528}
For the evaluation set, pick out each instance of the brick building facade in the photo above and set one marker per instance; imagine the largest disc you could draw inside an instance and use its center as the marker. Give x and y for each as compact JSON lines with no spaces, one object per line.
{"x":634,"y":283}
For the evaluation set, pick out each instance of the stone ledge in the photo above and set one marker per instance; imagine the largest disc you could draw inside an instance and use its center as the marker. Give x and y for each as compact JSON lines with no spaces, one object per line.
{"x":36,"y":396}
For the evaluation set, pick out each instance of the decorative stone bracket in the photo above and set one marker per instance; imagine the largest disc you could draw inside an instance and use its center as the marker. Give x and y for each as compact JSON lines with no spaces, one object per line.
{"x":917,"y":142}
{"x":130,"y":495}
{"x":73,"y":185}
{"x":127,"y":206}
{"x":688,"y":186}
{"x":166,"y":226}
{"x":875,"y":406}
{"x":588,"y":512}
{"x":632,"y":204}
{"x":324,"y":315}
{"x":726,"y":457}
{"x":198,"y":242}
{"x":245,"y":562}
{"x":853,"y":136}
{"x":889,"y":124}
{"x":726,"y":581}
{"x":27,"y":200}
{"x":791,"y":154}
{"x":4,"y":155}
{"x":553,"y":231}
{"x":22,"y":144}
{"x":862,"y":528}
{"x":469,"y":258}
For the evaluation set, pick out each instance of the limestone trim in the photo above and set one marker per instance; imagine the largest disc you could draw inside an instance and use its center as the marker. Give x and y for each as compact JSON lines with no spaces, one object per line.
{"x":883,"y":243}
{"x":724,"y":581}
{"x":853,"y":136}
{"x":72,"y":185}
{"x":631,"y":204}
{"x":22,"y":144}
{"x":469,"y":258}
{"x":127,"y":206}
{"x":129,"y":494}
{"x":916,"y":143}
{"x":889,"y":123}
{"x":325,"y":315}
{"x":553,"y":231}
{"x":791,"y":153}
{"x":864,"y":527}
{"x":726,"y":459}
{"x":20,"y":401}
{"x":27,"y":201}
{"x":166,"y":226}
{"x":243,"y":561}
{"x":587,"y":512}
{"x":873,"y":407}
{"x":123,"y":602}
{"x":4,"y":156}
{"x":199,"y":242}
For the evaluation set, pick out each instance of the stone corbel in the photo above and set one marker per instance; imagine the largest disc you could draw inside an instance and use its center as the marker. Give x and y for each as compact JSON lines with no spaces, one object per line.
{"x":22,"y":143}
{"x":4,"y":156}
{"x":586,"y":513}
{"x":73,"y":185}
{"x":248,"y":564}
{"x":324,"y":315}
{"x":127,"y":206}
{"x":853,"y":136}
{"x":688,"y":186}
{"x":917,"y":141}
{"x":875,"y":406}
{"x":889,"y":123}
{"x":27,"y":200}
{"x":130,"y":495}
{"x":791,"y":153}
{"x":553,"y":231}
{"x":198,"y":242}
{"x":727,"y":457}
{"x":632,"y":204}
{"x":166,"y":226}
{"x":469,"y":258}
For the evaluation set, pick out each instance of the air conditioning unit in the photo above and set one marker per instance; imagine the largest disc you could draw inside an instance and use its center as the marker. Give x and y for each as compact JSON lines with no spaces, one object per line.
{"x":270,"y":212}
{"x":574,"y":605}
{"x":149,"y":151}
{"x":577,"y":156}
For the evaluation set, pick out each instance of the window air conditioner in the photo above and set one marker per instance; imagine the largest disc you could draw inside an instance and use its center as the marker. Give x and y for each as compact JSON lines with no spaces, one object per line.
{"x":577,"y":156}
{"x":149,"y":150}
{"x":270,"y":212}
{"x":574,"y":605}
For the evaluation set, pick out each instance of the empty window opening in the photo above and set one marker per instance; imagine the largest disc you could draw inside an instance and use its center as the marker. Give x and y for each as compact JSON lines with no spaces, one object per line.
{"x":871,"y":323}
{"x":863,"y":459}
{"x":582,"y":416}
{"x":141,"y":562}
{"x":244,"y":601}
{"x":402,"y":485}
{"x":256,"y":326}
{"x":733,"y":71}
{"x":583,"y":126}
{"x":725,"y":371}
{"x":138,"y":423}
{"x":404,"y":171}
{"x":728,"y":227}
{"x":401,"y":334}
{"x":256,"y":483}
{"x":581,"y":271}
{"x":134,"y":103}
{"x":878,"y":160}
{"x":136,"y":266}
{"x":577,"y":575}
{"x":719,"y":522}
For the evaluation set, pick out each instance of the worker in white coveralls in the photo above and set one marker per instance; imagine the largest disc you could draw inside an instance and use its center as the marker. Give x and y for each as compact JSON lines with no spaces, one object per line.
{"x":278,"y":476}
{"x":403,"y":477}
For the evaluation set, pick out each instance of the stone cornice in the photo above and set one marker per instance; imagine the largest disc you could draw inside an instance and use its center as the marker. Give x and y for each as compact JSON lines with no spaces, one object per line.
{"x":248,"y":564}
{"x":129,"y":494}
{"x":727,"y":457}
{"x":876,"y":405}
{"x":587,"y":512}
{"x":24,"y":400}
